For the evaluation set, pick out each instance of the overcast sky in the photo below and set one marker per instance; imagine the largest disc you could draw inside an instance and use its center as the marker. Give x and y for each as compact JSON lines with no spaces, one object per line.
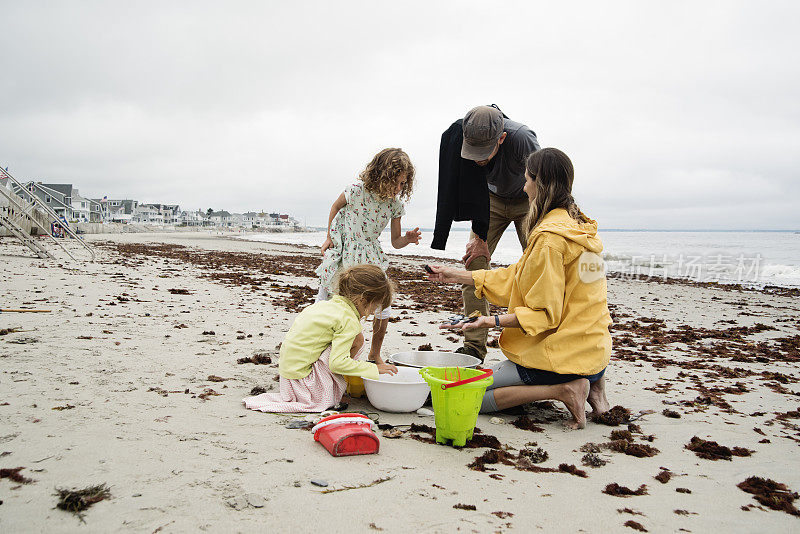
{"x":676,"y":115}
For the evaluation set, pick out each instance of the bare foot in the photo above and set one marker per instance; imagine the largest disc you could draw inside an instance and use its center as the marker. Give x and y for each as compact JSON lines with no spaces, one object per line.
{"x":597,"y":397}
{"x":574,"y":396}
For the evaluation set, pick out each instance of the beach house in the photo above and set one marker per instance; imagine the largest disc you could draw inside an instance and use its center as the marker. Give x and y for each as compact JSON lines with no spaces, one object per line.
{"x":67,"y":202}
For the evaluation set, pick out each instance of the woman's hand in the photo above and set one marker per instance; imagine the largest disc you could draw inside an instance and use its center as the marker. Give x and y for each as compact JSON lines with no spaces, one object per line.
{"x":480,"y":322}
{"x":386,"y":369}
{"x":327,"y":244}
{"x":449,"y":275}
{"x":413,"y":236}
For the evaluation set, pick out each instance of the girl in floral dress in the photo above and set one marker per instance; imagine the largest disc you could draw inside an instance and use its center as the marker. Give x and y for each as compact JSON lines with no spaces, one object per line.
{"x":356,"y":221}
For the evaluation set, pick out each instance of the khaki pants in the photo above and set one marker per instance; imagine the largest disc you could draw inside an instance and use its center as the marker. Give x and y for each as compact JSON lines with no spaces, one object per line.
{"x":502,"y":212}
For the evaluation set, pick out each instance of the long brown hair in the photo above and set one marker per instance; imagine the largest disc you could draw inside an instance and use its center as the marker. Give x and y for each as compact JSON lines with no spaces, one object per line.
{"x":365,"y":284}
{"x":381,"y":174}
{"x":553,"y":174}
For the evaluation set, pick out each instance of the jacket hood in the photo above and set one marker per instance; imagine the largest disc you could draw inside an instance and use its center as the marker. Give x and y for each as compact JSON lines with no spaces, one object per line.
{"x":559,"y":222}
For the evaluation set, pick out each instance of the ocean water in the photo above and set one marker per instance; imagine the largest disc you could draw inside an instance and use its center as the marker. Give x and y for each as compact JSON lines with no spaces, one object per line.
{"x":753,"y":259}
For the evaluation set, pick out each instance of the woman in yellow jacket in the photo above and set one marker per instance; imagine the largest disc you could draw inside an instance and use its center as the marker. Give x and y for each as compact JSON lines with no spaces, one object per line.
{"x":555,"y":334}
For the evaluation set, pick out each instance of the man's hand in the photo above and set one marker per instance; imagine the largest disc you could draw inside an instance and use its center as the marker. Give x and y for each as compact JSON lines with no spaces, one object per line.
{"x":327,"y":244}
{"x":476,"y":248}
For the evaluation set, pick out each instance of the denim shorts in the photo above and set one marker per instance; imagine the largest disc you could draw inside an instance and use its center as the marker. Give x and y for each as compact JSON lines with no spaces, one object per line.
{"x":537,"y":377}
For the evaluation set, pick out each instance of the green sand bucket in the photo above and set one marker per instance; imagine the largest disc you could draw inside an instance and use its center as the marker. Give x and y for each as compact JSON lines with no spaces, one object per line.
{"x":457,"y":393}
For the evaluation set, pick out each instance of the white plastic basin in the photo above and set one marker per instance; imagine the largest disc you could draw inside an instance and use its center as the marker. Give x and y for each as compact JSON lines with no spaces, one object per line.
{"x":404,"y":392}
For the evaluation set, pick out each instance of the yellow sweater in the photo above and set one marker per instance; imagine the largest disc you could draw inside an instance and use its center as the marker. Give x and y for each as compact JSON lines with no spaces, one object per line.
{"x":333,"y":323}
{"x":558,"y":292}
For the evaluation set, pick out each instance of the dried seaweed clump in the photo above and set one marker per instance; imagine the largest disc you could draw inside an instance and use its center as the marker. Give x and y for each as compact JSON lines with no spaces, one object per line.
{"x":14,"y":476}
{"x":492,"y":456}
{"x":593,"y":460}
{"x":591,"y":447}
{"x":771,"y":494}
{"x":537,"y":455}
{"x":622,"y":491}
{"x":635,"y":526}
{"x":711,"y":450}
{"x":572,"y":470}
{"x":613,"y":417}
{"x":639,"y":450}
{"x":523,"y":422}
{"x":461,"y":506}
{"x":622,"y":434}
{"x":480,"y":441}
{"x":671,"y":413}
{"x":664,"y":475}
{"x":257,"y":358}
{"x":76,"y":501}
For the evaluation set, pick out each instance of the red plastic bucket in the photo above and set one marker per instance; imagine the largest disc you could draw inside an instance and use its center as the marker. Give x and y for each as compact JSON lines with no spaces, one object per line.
{"x":347,"y":434}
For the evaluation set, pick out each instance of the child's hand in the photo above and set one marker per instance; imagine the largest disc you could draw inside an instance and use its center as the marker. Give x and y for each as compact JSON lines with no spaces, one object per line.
{"x":327,"y":244}
{"x":413,"y":236}
{"x":386,"y":369}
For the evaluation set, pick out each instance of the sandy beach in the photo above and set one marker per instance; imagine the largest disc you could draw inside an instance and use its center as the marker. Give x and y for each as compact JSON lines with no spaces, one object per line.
{"x":132,"y":380}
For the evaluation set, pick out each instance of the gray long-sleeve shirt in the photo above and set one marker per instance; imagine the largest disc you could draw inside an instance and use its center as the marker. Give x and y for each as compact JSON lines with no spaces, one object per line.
{"x":506,"y":172}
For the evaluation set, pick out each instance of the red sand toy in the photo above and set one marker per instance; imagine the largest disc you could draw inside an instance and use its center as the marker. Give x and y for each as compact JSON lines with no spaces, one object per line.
{"x":347,"y":434}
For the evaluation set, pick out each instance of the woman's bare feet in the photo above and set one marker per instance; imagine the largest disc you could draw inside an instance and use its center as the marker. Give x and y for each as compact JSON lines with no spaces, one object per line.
{"x":573,"y":395}
{"x":597,"y":397}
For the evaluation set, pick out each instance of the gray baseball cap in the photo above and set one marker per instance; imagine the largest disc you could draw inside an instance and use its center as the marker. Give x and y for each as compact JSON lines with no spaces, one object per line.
{"x":482,"y":127}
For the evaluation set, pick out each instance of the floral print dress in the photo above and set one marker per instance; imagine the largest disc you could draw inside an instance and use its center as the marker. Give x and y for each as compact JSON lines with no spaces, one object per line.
{"x":355,"y":233}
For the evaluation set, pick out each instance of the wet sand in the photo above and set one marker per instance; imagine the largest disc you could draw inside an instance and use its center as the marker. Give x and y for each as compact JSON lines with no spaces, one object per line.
{"x":132,"y":380}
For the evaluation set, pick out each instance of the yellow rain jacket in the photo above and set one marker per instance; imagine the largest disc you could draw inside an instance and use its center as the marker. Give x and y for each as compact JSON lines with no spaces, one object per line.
{"x":558,"y":292}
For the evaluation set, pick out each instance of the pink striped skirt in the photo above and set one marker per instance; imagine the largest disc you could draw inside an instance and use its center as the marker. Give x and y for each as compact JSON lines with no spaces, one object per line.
{"x":317,"y":392}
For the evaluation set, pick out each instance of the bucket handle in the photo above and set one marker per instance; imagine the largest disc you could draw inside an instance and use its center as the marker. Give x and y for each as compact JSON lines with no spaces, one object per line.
{"x":486,"y":374}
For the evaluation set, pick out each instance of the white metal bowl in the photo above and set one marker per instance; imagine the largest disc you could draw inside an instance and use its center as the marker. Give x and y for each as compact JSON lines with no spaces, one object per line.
{"x":429,"y":358}
{"x":404,"y":392}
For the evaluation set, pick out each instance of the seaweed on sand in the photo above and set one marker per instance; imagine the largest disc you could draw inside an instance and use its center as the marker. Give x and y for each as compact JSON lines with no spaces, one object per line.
{"x":537,"y":455}
{"x":78,"y":500}
{"x":622,"y":491}
{"x":572,"y":470}
{"x":711,"y":450}
{"x":639,"y":450}
{"x":664,"y":475}
{"x":13,"y":475}
{"x":593,"y":460}
{"x":257,"y":358}
{"x":634,"y":525}
{"x":621,"y":434}
{"x":523,"y":422}
{"x":771,"y":494}
{"x":492,"y":456}
{"x":479,"y":441}
{"x":613,"y":417}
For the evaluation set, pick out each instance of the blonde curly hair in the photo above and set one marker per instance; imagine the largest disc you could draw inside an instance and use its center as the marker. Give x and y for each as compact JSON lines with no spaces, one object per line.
{"x":381,"y":174}
{"x":365,"y":284}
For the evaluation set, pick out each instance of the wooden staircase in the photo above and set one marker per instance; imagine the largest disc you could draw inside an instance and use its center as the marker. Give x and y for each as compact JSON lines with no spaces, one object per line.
{"x":19,"y":208}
